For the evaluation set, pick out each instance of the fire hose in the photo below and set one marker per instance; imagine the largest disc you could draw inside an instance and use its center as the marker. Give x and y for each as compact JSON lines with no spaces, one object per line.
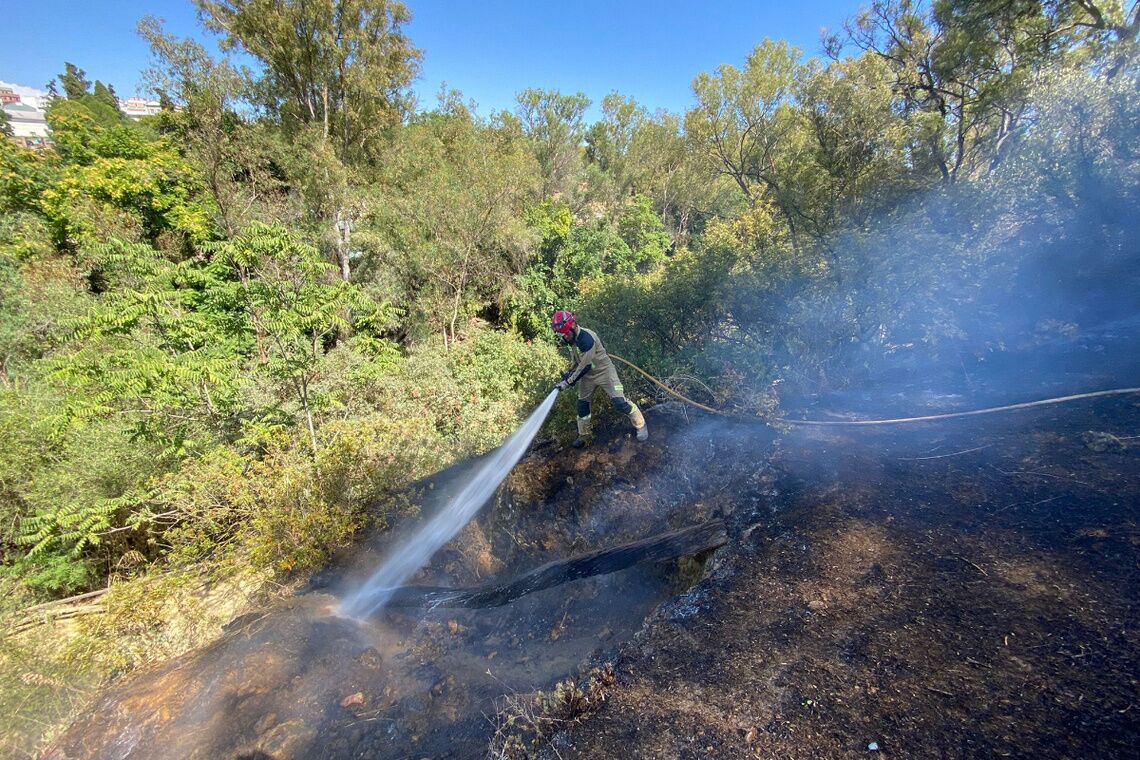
{"x":896,"y":421}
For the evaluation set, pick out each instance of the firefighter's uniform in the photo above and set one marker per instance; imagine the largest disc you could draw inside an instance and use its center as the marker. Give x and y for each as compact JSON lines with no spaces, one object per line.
{"x":593,"y":369}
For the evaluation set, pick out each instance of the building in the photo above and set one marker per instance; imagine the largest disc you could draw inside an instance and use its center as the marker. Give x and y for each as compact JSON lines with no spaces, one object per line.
{"x":7,"y":97}
{"x":29,"y":126}
{"x":137,"y":107}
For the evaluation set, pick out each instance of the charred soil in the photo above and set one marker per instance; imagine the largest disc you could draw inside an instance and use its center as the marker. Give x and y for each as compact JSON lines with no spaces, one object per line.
{"x":960,"y":589}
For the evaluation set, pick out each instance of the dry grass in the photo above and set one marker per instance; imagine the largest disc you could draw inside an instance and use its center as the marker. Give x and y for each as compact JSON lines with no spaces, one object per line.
{"x":525,"y":723}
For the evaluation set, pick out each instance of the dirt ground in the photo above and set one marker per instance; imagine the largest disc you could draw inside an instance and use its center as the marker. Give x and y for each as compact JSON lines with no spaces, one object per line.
{"x":957,"y":589}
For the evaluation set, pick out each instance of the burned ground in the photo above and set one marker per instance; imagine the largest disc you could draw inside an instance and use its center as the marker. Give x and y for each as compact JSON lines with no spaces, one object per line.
{"x":959,"y":589}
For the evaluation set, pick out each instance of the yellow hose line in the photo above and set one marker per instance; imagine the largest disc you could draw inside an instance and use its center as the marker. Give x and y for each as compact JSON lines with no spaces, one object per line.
{"x":974,"y":412}
{"x":897,"y":421}
{"x":665,"y":387}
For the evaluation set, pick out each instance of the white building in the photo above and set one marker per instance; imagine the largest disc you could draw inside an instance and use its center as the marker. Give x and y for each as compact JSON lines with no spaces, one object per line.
{"x":137,"y":107}
{"x":29,"y":127}
{"x":16,"y":93}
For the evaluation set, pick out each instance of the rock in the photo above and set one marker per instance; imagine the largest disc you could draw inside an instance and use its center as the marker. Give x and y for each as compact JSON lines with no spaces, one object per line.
{"x":353,"y":699}
{"x":288,"y":739}
{"x":1101,"y":442}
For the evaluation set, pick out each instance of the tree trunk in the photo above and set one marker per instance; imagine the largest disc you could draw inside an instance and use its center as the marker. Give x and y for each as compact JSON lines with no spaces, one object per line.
{"x":343,"y":242}
{"x":678,"y":543}
{"x":325,"y":116}
{"x":309,"y":417}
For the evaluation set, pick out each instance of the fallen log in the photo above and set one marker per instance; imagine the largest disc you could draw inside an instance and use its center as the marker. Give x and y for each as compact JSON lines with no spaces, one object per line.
{"x":677,"y":543}
{"x":51,"y":616}
{"x":68,"y":600}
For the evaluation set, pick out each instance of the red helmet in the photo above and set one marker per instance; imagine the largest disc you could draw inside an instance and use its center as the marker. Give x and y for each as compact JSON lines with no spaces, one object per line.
{"x":563,"y":323}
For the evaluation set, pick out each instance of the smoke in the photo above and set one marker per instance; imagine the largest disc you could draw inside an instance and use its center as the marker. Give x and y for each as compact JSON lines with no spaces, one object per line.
{"x":1041,"y":257}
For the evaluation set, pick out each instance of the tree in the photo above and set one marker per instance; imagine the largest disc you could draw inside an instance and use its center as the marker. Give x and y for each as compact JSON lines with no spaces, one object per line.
{"x":962,"y":71}
{"x":663,"y":165}
{"x":227,"y":151}
{"x":608,"y":142}
{"x":744,"y":122}
{"x":453,"y":209}
{"x":105,"y":95}
{"x":343,"y":65}
{"x":74,"y":82}
{"x":1109,"y":24}
{"x":854,"y":162}
{"x":289,"y":294}
{"x":553,"y":124}
{"x":5,"y":124}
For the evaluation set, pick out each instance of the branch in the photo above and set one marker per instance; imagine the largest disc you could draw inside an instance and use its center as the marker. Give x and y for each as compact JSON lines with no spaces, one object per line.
{"x":678,"y":543}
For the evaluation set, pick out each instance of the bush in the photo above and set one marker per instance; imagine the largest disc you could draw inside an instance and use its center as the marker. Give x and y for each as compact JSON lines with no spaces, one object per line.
{"x":644,"y":233}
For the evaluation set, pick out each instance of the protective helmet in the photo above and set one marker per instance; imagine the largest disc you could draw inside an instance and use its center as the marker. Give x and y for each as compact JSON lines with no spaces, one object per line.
{"x":563,"y":323}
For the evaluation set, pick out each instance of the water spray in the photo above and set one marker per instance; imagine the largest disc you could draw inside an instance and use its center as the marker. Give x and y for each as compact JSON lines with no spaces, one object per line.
{"x":408,"y":558}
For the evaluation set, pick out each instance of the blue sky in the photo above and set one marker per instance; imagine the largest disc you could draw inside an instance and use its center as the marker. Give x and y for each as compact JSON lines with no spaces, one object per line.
{"x":650,"y":50}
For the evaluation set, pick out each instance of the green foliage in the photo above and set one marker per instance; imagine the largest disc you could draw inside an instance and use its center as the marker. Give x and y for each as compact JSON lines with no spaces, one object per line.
{"x":449,"y":228}
{"x":74,"y":82}
{"x":86,"y":489}
{"x":286,"y":509}
{"x":497,"y":367}
{"x":39,"y":293}
{"x":162,"y":346}
{"x":73,"y":130}
{"x":610,"y":142}
{"x":553,"y":124}
{"x":662,"y":320}
{"x":531,"y":302}
{"x":295,"y":306}
{"x":24,"y":176}
{"x":591,"y":251}
{"x":644,"y":233}
{"x":47,"y":575}
{"x":157,"y":195}
{"x":117,"y":177}
{"x":551,"y":222}
{"x":532,"y":299}
{"x":341,"y":66}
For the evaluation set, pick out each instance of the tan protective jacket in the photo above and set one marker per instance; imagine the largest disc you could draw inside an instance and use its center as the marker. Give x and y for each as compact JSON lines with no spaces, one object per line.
{"x":593,"y":367}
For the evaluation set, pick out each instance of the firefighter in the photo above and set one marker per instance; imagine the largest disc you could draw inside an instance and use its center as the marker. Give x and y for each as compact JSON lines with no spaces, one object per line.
{"x":592,"y":369}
